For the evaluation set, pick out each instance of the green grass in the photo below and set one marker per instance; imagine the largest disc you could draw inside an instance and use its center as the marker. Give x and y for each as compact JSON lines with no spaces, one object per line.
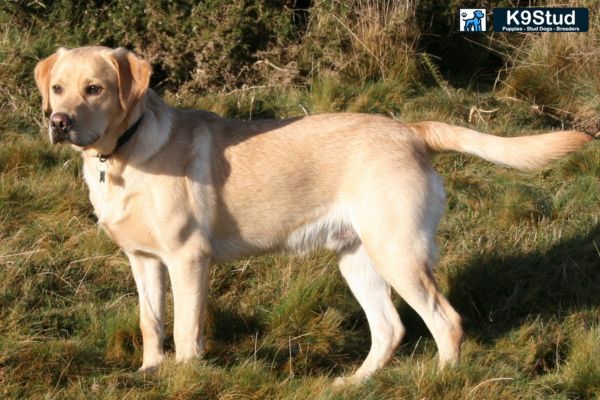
{"x":520,"y":251}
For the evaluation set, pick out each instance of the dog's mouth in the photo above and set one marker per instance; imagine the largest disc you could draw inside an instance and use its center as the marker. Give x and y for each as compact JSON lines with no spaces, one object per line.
{"x":80,"y":139}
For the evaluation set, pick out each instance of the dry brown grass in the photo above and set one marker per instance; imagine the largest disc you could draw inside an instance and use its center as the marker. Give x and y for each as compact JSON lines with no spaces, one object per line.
{"x":364,"y":40}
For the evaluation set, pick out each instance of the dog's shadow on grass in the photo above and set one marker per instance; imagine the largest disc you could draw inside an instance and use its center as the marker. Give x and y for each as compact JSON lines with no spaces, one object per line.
{"x":495,"y":294}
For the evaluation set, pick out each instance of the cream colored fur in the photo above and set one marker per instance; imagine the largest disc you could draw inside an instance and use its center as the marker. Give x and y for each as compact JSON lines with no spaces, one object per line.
{"x":191,"y":187}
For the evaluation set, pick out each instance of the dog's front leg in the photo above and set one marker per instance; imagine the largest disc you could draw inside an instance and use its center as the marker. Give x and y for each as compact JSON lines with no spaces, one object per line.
{"x":150,"y":281}
{"x":189,"y":278}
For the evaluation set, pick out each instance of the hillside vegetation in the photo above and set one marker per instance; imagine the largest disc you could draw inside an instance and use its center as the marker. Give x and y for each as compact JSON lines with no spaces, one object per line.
{"x":520,"y":250}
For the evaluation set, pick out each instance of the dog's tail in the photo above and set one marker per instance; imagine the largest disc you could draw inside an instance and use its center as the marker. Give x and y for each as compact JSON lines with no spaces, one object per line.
{"x":524,"y":152}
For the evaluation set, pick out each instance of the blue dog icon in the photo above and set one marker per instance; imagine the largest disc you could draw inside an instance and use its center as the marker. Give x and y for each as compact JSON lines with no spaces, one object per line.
{"x":474,"y":24}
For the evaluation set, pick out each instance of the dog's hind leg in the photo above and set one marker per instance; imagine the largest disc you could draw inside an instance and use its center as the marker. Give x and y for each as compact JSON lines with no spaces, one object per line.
{"x":149,"y":278}
{"x":397,"y":227}
{"x":373,"y":294}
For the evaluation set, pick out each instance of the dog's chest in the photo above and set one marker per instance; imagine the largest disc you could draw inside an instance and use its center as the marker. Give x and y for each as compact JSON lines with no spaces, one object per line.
{"x":125,"y":215}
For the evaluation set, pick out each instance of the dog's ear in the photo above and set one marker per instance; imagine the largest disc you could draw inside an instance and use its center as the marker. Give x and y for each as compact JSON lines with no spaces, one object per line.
{"x":42,"y":78}
{"x":133,"y":76}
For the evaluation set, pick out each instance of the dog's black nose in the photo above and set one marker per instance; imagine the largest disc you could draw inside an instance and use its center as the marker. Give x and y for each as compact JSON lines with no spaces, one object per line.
{"x":60,"y":123}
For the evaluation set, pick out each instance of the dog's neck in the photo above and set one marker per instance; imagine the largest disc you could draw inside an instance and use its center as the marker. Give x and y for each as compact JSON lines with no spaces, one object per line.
{"x":151,"y":134}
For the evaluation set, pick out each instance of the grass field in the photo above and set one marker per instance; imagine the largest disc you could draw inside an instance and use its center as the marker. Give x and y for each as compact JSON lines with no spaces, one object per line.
{"x":520,"y":251}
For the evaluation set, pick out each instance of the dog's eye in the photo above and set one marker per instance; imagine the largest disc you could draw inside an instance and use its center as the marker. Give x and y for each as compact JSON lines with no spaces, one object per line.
{"x":57,"y":89}
{"x":93,"y":90}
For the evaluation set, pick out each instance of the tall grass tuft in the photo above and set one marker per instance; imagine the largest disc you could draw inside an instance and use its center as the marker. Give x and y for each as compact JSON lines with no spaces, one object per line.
{"x":365,"y":40}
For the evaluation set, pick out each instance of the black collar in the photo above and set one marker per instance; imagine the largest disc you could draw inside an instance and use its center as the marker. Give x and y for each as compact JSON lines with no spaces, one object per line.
{"x":124,"y":138}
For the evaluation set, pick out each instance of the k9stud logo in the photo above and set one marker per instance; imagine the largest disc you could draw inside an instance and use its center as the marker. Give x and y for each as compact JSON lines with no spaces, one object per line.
{"x":472,"y":20}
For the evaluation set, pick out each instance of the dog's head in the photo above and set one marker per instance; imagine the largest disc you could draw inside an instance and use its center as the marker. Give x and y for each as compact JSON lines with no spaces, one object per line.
{"x":478,"y":14}
{"x":88,"y":92}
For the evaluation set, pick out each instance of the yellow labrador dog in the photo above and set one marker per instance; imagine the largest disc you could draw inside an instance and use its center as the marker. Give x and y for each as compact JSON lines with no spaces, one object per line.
{"x":181,"y":188}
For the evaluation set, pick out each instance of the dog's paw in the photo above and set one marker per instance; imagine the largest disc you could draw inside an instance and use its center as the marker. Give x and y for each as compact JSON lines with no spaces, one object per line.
{"x":348,"y":381}
{"x":144,"y":370}
{"x":151,"y":367}
{"x":340,"y":381}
